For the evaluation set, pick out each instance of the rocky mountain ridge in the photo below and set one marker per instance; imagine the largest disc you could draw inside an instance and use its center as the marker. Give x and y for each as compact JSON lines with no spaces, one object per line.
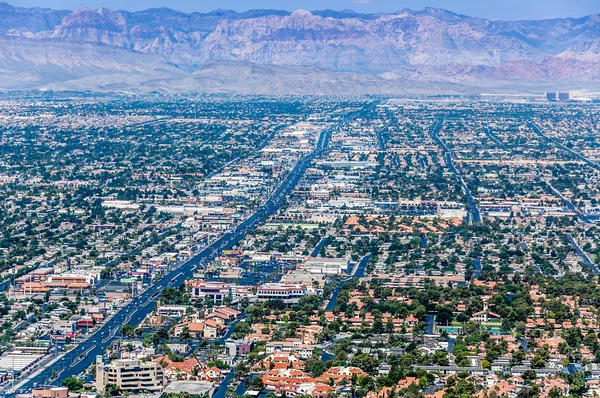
{"x":429,"y":46}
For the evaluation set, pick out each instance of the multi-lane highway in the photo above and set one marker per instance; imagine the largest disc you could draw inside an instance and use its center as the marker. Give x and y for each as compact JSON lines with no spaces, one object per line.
{"x":492,"y":137}
{"x":82,"y":356}
{"x":583,"y":255}
{"x":474,"y":211}
{"x":578,"y":155}
{"x":568,"y":203}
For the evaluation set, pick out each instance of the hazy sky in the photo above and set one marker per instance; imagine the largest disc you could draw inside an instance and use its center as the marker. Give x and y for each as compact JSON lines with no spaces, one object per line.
{"x":492,"y":9}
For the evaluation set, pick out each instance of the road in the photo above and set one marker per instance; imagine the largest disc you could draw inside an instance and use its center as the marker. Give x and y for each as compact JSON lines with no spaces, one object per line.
{"x":539,"y":132}
{"x":357,"y":272}
{"x":586,"y":259}
{"x":568,"y":204}
{"x":318,"y":247}
{"x":477,"y":267}
{"x":381,"y":140}
{"x":429,"y":324}
{"x":83,"y":355}
{"x":474,"y":211}
{"x":494,"y":138}
{"x":260,"y":147}
{"x":220,"y":393}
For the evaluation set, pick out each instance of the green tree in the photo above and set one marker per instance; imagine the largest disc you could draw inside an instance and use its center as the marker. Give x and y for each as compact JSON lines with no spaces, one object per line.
{"x":257,"y":384}
{"x":577,"y":383}
{"x":315,"y":367}
{"x":72,"y":384}
{"x":444,"y":315}
{"x":366,"y":362}
{"x":162,"y":333}
{"x":111,"y":390}
{"x":517,"y":357}
{"x":128,"y":331}
{"x":529,"y":374}
{"x":555,"y":393}
{"x":185,"y":334}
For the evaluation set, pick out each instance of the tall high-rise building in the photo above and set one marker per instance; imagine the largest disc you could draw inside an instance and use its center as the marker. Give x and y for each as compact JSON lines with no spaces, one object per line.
{"x":552,"y":96}
{"x":564,"y":96}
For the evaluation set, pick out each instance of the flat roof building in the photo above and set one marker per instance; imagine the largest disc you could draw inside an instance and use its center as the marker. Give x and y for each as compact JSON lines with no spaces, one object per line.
{"x":50,"y":392}
{"x":198,"y":388}
{"x":130,"y":375}
{"x":290,"y":294}
{"x":18,"y":361}
{"x":329,"y":266}
{"x":216,"y":291}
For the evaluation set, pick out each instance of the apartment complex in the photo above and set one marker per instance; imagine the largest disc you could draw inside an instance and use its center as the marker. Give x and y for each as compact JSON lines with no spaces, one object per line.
{"x":130,"y":375}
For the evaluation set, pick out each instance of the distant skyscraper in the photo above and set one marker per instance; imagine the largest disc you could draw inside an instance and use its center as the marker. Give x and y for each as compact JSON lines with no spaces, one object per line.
{"x":552,"y":96}
{"x":564,"y":96}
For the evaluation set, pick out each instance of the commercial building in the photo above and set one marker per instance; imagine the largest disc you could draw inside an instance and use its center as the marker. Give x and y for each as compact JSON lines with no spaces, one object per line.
{"x":329,"y":266}
{"x":216,"y":291}
{"x":553,"y":96}
{"x":19,"y":361}
{"x":172,"y":311}
{"x":290,"y":294}
{"x":130,"y":375}
{"x":564,"y":96}
{"x":66,"y":328}
{"x":235,"y":348}
{"x":50,"y":392}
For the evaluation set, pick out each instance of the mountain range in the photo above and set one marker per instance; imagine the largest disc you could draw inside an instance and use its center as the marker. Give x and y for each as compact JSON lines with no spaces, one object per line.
{"x":300,"y":52}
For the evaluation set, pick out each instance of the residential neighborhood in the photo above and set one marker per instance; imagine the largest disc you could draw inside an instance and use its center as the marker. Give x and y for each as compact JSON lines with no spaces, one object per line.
{"x":210,"y":246}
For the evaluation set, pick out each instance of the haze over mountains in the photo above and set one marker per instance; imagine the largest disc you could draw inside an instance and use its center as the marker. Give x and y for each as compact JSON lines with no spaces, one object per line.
{"x":278,"y":52}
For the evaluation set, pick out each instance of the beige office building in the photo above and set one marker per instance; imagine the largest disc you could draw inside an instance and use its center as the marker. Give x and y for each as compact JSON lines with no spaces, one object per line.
{"x":130,"y":375}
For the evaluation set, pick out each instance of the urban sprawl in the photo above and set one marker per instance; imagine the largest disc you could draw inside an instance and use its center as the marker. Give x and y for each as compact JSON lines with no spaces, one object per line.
{"x":219,"y":246}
